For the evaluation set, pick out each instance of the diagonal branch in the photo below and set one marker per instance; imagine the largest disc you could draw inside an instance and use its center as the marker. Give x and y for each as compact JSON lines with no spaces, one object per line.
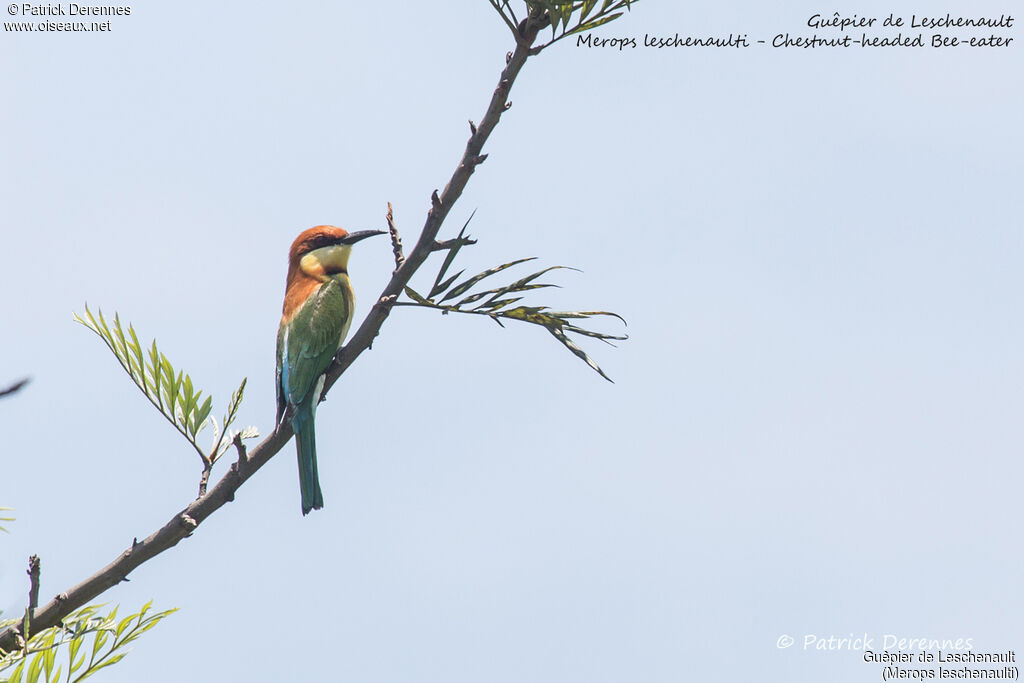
{"x":184,"y":522}
{"x":14,"y":388}
{"x":181,"y":525}
{"x":441,"y":204}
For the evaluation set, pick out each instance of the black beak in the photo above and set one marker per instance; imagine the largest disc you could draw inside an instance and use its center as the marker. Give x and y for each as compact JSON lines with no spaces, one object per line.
{"x":354,"y":237}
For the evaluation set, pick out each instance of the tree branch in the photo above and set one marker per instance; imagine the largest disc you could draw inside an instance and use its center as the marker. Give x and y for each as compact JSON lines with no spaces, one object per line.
{"x":14,"y":388}
{"x":184,"y":522}
{"x":33,"y":582}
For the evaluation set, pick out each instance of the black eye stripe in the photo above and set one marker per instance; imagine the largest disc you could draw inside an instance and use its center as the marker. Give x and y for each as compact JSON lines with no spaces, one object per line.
{"x":321,"y":241}
{"x":326,"y":241}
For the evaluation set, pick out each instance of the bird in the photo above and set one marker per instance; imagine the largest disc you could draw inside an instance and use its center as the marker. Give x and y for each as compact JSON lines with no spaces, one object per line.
{"x":318,"y":306}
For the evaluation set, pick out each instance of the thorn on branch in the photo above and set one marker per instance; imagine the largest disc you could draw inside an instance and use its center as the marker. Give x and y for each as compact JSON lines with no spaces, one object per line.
{"x":188,"y":523}
{"x":480,"y":159}
{"x":508,"y":105}
{"x":135,"y":542}
{"x":396,"y":241}
{"x":508,"y":57}
{"x":33,"y":582}
{"x":449,"y":244}
{"x":472,"y":127}
{"x":243,"y":455}
{"x":435,"y":201}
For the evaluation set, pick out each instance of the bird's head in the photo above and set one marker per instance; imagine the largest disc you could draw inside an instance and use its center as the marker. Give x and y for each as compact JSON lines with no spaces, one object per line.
{"x":323,"y":251}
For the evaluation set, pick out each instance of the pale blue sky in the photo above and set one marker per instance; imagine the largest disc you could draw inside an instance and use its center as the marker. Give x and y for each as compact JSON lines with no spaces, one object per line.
{"x":814,"y":427}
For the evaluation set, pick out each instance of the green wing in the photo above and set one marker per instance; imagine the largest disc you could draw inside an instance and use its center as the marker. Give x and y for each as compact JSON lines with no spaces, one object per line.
{"x":307,"y":343}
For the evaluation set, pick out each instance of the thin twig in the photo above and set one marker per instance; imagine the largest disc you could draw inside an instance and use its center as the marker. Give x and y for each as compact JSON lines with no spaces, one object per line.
{"x":448,"y":244}
{"x":508,"y":22}
{"x":33,"y":582}
{"x":14,"y":388}
{"x":396,"y":240}
{"x":204,"y":478}
{"x":185,"y":521}
{"x":240,"y":447}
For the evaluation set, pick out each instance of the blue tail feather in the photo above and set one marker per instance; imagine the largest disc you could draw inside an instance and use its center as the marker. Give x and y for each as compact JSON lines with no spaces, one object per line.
{"x":305,"y":443}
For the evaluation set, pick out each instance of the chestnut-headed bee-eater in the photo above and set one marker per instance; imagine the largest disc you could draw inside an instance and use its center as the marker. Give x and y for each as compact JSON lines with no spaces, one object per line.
{"x":318,"y":307}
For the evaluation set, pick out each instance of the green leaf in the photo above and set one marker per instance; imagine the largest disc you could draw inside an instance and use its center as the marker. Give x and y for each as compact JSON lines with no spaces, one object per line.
{"x":560,"y":336}
{"x":98,"y":642}
{"x":110,"y":661}
{"x":588,"y":314}
{"x":170,"y":385}
{"x":49,"y":656}
{"x":590,"y":333}
{"x":122,"y":343}
{"x":519,"y":286}
{"x":234,"y":403}
{"x":188,"y":400}
{"x":123,"y":625}
{"x":465,"y":286}
{"x":411,"y":293}
{"x":566,"y":15}
{"x":35,"y":668}
{"x":138,"y":362}
{"x":73,"y":647}
{"x":106,"y":331}
{"x":498,"y":305}
{"x":171,"y":391}
{"x":494,"y":305}
{"x":594,"y":24}
{"x":108,"y":622}
{"x":155,"y":372}
{"x":16,"y":674}
{"x":460,"y":241}
{"x":202,"y":412}
{"x":438,"y":288}
{"x":6,"y":519}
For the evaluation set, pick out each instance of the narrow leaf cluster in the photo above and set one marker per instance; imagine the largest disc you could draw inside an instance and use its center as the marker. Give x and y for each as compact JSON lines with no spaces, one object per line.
{"x":449,"y":294}
{"x":6,"y":519}
{"x":170,"y":391}
{"x":38,"y":662}
{"x":564,"y":16}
